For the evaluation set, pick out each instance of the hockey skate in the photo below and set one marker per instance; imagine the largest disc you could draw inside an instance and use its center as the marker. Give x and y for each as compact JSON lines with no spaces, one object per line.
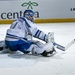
{"x":49,"y":54}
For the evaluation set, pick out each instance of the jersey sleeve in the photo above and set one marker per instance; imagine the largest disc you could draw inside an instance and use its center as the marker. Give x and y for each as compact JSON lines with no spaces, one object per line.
{"x":40,"y":34}
{"x":37,"y":33}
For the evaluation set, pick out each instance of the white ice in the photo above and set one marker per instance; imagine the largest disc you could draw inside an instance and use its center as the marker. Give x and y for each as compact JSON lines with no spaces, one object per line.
{"x":63,"y":63}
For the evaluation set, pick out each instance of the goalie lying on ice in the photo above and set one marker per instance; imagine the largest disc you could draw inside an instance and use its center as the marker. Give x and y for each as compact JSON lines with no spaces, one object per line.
{"x":16,"y":36}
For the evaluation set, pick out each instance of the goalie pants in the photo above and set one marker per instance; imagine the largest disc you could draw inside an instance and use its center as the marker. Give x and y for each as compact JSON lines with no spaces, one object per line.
{"x":22,"y":45}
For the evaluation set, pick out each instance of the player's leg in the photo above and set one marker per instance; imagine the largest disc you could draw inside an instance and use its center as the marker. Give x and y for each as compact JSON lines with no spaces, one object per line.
{"x":22,"y":45}
{"x":19,"y":45}
{"x":44,"y":50}
{"x":27,"y":46}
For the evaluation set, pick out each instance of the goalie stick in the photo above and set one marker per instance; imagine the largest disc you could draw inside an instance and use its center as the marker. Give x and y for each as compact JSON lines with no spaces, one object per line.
{"x":56,"y":45}
{"x":70,"y":44}
{"x":51,"y":39}
{"x":62,"y":47}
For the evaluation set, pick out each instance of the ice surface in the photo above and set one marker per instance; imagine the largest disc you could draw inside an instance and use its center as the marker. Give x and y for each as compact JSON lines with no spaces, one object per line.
{"x":63,"y":63}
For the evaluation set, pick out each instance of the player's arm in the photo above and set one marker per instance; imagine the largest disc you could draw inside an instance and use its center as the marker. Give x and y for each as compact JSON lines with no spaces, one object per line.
{"x":39,"y":34}
{"x":33,"y":30}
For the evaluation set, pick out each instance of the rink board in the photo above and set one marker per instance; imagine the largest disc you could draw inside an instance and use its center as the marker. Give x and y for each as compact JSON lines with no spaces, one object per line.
{"x":43,"y":20}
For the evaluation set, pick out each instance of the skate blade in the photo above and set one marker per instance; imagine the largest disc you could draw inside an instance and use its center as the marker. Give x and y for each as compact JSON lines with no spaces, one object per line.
{"x":50,"y":55}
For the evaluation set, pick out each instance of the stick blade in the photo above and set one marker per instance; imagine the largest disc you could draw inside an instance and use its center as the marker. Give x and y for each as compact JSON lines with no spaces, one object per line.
{"x":70,"y":44}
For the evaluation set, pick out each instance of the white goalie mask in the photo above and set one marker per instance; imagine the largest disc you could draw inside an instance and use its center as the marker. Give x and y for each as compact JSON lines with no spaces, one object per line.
{"x":29,"y":14}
